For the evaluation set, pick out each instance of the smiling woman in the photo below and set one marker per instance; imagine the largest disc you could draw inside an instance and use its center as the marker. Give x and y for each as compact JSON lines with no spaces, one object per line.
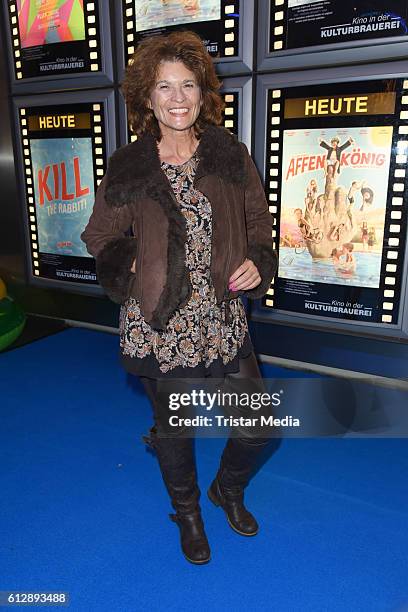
{"x":142,"y":77}
{"x":202,"y":238}
{"x":176,"y":103}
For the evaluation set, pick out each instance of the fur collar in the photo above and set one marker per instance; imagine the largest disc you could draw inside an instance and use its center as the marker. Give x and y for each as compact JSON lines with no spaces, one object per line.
{"x":134,"y":170}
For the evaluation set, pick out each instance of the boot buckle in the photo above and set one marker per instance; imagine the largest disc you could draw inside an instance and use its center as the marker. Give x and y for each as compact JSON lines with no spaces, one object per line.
{"x":149,"y":439}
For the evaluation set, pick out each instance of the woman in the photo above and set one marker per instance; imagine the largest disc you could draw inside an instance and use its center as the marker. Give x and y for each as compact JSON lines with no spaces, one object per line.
{"x":201,"y":238}
{"x":364,"y":235}
{"x":371,"y":238}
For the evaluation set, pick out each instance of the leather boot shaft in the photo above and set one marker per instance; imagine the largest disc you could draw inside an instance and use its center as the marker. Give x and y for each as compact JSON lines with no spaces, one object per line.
{"x":177,"y":465}
{"x":238,"y":462}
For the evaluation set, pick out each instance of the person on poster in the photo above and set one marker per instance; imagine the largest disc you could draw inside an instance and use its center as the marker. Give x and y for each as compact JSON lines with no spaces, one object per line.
{"x":334,"y":151}
{"x":367,"y":194}
{"x":307,"y":231}
{"x":350,"y":261}
{"x":372,"y":240}
{"x":343,"y":260}
{"x":196,"y":250}
{"x":364,"y":234}
{"x":368,"y":197}
{"x":336,"y":255}
{"x":163,"y":13}
{"x":311,"y":191}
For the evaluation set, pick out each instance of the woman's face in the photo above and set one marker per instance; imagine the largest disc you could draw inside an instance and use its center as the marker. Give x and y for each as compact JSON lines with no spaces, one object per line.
{"x":175,"y":98}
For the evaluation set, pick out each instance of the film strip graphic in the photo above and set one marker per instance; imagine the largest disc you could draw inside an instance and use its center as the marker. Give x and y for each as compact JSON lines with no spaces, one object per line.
{"x":229,"y":19}
{"x":231,"y":111}
{"x":97,"y":131}
{"x":92,"y":36}
{"x":277,"y":24}
{"x":230,"y":114}
{"x":15,"y":38}
{"x":395,"y":223}
{"x":395,"y":228}
{"x":273,"y":171}
{"x":98,"y":141}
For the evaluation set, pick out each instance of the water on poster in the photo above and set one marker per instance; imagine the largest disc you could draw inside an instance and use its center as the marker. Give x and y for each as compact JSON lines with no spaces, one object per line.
{"x":152,"y":14}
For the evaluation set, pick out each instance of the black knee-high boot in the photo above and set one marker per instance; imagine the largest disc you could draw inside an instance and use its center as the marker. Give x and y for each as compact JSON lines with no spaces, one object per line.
{"x":227,"y":489}
{"x":177,"y":465}
{"x":240,"y":456}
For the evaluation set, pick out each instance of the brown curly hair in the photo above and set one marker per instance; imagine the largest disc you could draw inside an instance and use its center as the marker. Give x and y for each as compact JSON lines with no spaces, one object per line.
{"x":141,"y":73}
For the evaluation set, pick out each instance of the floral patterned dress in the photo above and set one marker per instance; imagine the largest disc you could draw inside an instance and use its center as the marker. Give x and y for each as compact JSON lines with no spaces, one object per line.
{"x":199,"y":339}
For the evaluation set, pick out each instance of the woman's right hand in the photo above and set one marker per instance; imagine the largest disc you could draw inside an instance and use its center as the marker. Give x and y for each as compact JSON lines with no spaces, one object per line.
{"x":133,"y":268}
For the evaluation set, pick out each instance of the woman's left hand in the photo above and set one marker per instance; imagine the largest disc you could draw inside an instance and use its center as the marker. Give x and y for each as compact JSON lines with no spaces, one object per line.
{"x":245,"y":277}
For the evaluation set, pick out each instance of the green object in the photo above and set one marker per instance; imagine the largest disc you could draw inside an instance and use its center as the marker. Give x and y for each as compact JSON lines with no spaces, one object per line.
{"x":12,"y":321}
{"x":3,"y":290}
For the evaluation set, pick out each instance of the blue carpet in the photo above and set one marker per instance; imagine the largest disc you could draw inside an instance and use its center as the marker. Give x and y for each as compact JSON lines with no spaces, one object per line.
{"x":84,"y":510}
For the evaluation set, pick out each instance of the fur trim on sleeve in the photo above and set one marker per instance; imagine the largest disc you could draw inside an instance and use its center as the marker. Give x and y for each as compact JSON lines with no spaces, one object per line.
{"x":266,"y":260}
{"x":113,"y":265}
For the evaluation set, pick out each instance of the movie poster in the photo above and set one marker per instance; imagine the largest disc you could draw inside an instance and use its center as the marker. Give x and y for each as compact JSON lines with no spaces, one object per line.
{"x":336,"y":198}
{"x":152,"y":14}
{"x":333,"y":205}
{"x":215,"y":21}
{"x":64,"y":193}
{"x":45,"y":22}
{"x":52,"y":37}
{"x":322,"y":22}
{"x":62,"y":172}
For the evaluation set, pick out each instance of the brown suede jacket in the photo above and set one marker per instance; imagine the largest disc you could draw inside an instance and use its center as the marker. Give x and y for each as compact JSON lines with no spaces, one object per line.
{"x":135,"y":193}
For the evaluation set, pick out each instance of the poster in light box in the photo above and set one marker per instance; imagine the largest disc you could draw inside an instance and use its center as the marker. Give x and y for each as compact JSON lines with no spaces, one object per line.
{"x":339,"y":193}
{"x":151,"y":14}
{"x":61,"y":170}
{"x":332,"y":222}
{"x":45,"y":22}
{"x":53,"y":39}
{"x":64,"y":193}
{"x":323,"y":22}
{"x":215,"y":21}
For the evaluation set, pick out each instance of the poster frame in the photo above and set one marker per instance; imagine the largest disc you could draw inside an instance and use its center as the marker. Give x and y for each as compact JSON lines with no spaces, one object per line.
{"x":353,"y":52}
{"x":106,"y":99}
{"x":243,"y":63}
{"x":56,"y":82}
{"x":261,"y":313}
